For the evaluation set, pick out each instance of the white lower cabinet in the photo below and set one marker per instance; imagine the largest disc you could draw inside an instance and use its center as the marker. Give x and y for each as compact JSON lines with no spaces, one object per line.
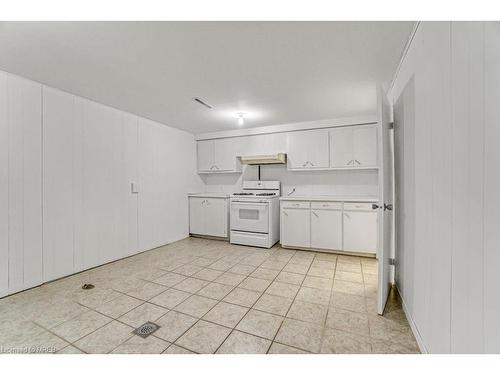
{"x":208,"y":216}
{"x":295,"y":224}
{"x":196,"y":215}
{"x":335,"y":226}
{"x":360,"y":228}
{"x":326,"y":225}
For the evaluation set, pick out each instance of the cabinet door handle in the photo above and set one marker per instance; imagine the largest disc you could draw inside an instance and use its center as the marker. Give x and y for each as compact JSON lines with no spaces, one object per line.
{"x":312,"y":164}
{"x":315,"y":214}
{"x":347,"y":215}
{"x":284,"y":213}
{"x":304,"y":164}
{"x":357,"y":161}
{"x":350,"y":161}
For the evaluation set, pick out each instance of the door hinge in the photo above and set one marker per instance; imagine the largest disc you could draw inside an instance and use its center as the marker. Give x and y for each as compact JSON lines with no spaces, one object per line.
{"x":392,"y":261}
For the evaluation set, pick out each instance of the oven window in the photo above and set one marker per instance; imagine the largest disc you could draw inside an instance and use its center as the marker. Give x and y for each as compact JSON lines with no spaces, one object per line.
{"x":247,"y":214}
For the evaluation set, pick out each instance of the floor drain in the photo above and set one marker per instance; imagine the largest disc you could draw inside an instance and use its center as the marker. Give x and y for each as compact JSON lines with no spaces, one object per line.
{"x":88,"y":286}
{"x":146,"y":329}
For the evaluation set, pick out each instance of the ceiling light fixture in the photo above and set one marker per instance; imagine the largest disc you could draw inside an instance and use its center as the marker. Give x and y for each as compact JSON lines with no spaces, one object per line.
{"x":241,"y":119}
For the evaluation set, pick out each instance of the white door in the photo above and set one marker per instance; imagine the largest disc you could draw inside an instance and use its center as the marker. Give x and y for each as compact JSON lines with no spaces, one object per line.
{"x":360,"y":231}
{"x":196,"y":215}
{"x":365,"y":146}
{"x":205,"y":155}
{"x":250,"y":217}
{"x":326,"y":229}
{"x":341,"y":148}
{"x":216,"y":217}
{"x":295,"y":227}
{"x":225,"y":154}
{"x":385,"y":222}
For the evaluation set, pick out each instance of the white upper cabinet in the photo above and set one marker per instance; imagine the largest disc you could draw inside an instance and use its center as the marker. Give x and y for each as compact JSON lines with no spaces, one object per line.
{"x":308,"y":149}
{"x":341,"y":147}
{"x":205,"y":155}
{"x":365,"y":146}
{"x":353,"y":147}
{"x":225,"y":159}
{"x":350,"y":147}
{"x":218,"y":155}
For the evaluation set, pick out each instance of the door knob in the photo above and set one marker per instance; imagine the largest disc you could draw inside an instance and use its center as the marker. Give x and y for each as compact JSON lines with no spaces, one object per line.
{"x":388,"y":207}
{"x":375,"y":206}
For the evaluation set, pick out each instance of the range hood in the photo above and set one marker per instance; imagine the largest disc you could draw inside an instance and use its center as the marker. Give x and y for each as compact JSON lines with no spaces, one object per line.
{"x":279,"y":158}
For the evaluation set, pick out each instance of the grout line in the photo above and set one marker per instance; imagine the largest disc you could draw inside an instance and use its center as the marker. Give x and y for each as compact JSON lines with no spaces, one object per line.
{"x":293,"y":301}
{"x":249,"y":308}
{"x":49,"y":331}
{"x":218,"y":301}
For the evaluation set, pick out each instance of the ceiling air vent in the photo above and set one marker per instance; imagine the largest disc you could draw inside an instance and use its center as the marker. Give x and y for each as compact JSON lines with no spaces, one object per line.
{"x":203,"y":103}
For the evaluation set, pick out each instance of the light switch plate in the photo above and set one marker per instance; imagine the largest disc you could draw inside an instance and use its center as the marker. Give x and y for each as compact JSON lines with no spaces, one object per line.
{"x":134,"y":188}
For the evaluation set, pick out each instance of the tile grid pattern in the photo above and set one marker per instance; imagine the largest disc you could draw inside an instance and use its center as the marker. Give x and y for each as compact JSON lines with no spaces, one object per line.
{"x":184,"y":286}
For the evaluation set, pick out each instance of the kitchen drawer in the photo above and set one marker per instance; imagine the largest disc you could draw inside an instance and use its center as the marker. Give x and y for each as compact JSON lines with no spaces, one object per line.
{"x":295,"y":204}
{"x":326,"y":205}
{"x":358,"y":206}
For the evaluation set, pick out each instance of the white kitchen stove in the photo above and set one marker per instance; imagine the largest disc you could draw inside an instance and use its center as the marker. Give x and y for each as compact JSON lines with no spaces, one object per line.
{"x":254,"y":214}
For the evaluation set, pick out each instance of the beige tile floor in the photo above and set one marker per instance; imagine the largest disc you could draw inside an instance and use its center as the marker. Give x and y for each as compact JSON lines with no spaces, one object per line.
{"x":211,"y":297}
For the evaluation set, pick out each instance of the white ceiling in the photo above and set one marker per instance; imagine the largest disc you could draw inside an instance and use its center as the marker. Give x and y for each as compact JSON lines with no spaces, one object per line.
{"x":275,"y":72}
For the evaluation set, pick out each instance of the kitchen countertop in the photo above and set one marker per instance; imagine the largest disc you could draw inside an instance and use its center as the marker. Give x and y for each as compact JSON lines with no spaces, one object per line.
{"x":329,"y":198}
{"x":209,"y":195}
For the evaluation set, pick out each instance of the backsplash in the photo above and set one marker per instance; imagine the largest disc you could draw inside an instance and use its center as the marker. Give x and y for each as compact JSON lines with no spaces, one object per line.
{"x":360,"y":183}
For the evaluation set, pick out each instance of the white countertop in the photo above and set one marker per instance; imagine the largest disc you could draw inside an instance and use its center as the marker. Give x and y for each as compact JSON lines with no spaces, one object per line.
{"x":329,"y":198}
{"x":209,"y":195}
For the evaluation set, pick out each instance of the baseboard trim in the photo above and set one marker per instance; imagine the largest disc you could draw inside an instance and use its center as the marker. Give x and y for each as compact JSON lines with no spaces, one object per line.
{"x":209,"y":237}
{"x":11,"y":293}
{"x":412,"y":324}
{"x":336,"y":252}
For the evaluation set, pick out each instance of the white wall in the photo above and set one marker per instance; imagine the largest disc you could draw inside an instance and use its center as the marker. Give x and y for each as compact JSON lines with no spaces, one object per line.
{"x":167,"y":172}
{"x":89,"y":155}
{"x":450,"y":270}
{"x":339,"y":183}
{"x":20,"y":184}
